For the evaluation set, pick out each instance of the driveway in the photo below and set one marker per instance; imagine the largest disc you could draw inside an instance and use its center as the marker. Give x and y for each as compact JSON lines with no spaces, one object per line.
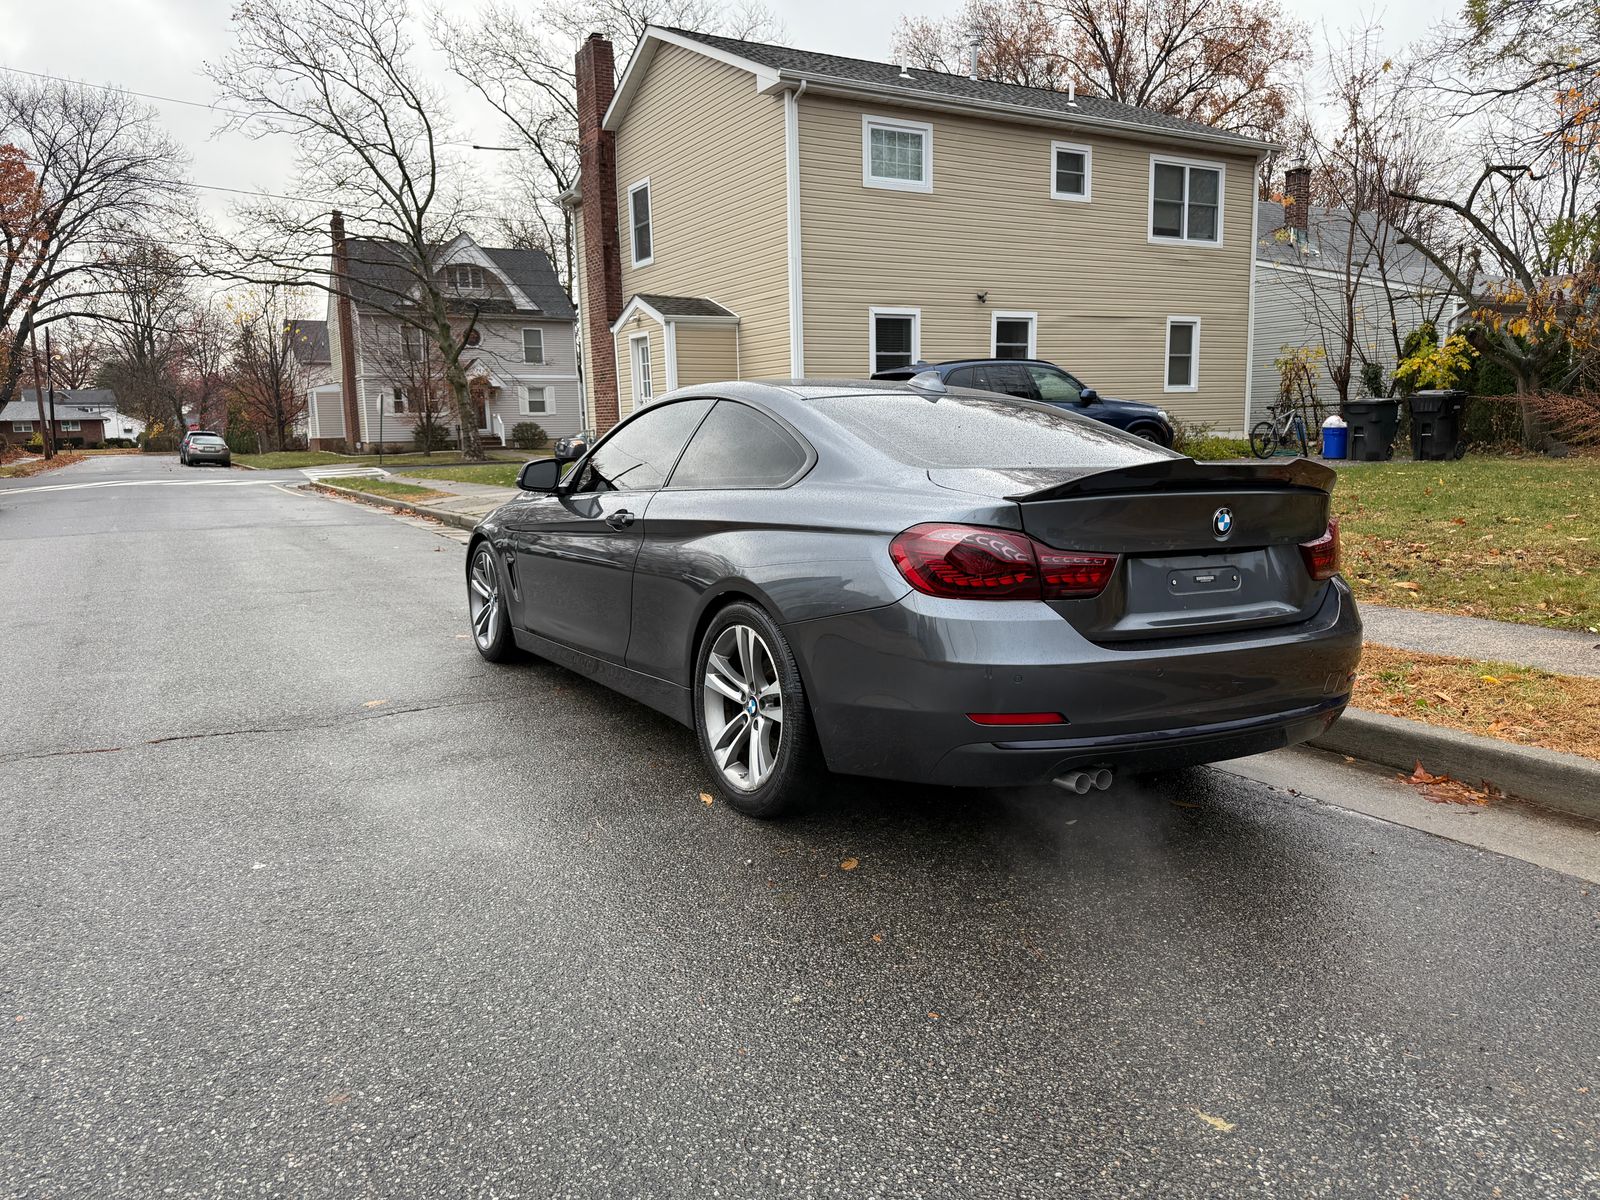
{"x":299,"y":897}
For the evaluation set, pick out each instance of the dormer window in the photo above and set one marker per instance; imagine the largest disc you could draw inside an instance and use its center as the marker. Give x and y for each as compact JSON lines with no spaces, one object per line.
{"x":464,"y":277}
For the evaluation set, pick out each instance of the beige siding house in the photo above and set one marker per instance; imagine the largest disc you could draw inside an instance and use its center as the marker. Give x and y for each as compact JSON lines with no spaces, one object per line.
{"x":765,"y":212}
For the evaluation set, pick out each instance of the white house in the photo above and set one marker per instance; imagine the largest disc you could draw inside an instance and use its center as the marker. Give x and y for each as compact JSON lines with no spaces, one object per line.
{"x":522,"y":361}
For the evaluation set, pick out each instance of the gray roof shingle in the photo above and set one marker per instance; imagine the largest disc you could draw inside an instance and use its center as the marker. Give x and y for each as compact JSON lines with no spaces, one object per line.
{"x":683,"y":306}
{"x":72,"y":404}
{"x":1329,"y":236}
{"x":940,"y":85}
{"x":378,"y":275}
{"x":308,"y":341}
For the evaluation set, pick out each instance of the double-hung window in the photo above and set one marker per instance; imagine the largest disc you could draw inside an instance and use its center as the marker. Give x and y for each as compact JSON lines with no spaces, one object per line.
{"x":71,"y":427}
{"x":1185,"y":201}
{"x":411,"y":342}
{"x":1011,"y":335}
{"x":644,"y":249}
{"x":1183,"y":354}
{"x":896,"y":336}
{"x":533,"y":345}
{"x":1069,"y":171}
{"x":535,"y":400}
{"x":896,"y":154}
{"x":22,"y":427}
{"x":398,"y":404}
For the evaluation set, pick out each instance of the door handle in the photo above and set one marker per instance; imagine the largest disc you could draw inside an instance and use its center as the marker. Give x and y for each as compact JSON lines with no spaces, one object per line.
{"x":620,"y":519}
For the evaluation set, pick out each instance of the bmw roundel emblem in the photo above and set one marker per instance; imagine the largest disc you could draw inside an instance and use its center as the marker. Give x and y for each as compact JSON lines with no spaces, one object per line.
{"x":1222,"y":522}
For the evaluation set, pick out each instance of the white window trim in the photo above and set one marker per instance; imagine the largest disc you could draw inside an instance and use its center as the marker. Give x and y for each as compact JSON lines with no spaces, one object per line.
{"x":526,"y":330}
{"x":22,"y":427}
{"x":642,"y":186}
{"x":71,"y":426}
{"x":639,"y":398}
{"x":1150,"y":209}
{"x":1194,"y":356}
{"x":524,"y":400}
{"x":872,"y":333}
{"x":1032,"y":318}
{"x":1088,"y":171}
{"x":868,"y":179}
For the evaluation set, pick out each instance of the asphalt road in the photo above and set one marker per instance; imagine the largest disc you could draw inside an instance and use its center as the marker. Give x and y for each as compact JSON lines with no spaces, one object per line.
{"x":298,"y":897}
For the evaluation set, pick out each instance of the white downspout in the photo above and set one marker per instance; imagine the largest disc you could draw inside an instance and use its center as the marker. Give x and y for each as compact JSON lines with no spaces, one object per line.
{"x":791,"y":147}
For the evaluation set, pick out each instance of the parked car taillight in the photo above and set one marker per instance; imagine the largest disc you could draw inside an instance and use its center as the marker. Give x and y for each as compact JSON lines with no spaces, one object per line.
{"x":974,"y":562}
{"x":1322,"y":555}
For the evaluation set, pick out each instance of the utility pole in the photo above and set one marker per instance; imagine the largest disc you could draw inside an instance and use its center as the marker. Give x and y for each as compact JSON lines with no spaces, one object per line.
{"x":50,"y":379}
{"x":48,"y":436}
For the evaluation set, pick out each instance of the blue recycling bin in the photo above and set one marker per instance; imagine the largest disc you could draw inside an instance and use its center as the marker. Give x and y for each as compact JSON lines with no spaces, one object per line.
{"x":1335,"y":438}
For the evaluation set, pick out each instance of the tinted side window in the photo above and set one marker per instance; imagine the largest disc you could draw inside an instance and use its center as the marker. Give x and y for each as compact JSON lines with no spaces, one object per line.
{"x":1054,"y":386}
{"x":962,"y":377}
{"x":738,"y":447}
{"x":1011,"y":380}
{"x":638,"y":456}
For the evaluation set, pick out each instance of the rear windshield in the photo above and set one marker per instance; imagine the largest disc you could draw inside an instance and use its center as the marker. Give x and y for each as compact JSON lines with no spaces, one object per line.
{"x":984,"y":431}
{"x":207,"y":441}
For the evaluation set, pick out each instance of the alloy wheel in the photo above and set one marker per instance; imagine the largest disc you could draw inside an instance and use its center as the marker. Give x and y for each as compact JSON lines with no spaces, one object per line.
{"x":743,"y":705}
{"x":483,"y":599}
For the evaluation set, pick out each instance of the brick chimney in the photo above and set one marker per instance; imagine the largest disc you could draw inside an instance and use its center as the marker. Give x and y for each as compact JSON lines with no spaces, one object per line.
{"x":344,"y":317}
{"x":602,"y":255}
{"x":1297,"y":187}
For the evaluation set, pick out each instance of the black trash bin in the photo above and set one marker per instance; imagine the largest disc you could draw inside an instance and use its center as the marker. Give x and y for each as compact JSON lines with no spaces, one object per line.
{"x":1436,"y":424}
{"x":1372,"y":428}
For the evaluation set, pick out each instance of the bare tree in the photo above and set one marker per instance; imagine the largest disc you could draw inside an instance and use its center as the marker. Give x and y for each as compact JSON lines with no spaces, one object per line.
{"x":147,"y":298}
{"x":1227,"y":63}
{"x":203,"y":350}
{"x":411,"y":367}
{"x":1367,"y":134}
{"x":519,"y":58}
{"x":82,"y":171}
{"x":338,"y":77}
{"x":265,"y":374}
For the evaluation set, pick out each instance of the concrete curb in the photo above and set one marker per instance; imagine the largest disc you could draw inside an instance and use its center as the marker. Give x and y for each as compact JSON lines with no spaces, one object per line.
{"x":1567,"y":783}
{"x":459,"y":520}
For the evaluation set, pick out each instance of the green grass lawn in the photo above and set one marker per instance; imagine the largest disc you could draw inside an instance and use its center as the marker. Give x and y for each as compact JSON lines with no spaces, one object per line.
{"x":1516,"y":539}
{"x":385,"y":487}
{"x":498,"y":474}
{"x":321,"y":458}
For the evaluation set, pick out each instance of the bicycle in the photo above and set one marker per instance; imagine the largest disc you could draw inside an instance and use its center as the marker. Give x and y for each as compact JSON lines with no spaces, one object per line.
{"x":1284,"y":428}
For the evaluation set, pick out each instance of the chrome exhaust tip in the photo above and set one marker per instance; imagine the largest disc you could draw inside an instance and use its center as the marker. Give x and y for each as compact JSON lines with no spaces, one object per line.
{"x":1103,"y":778}
{"x":1077,"y":782}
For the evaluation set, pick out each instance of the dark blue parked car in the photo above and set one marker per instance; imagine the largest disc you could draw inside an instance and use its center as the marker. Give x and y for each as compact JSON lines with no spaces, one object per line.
{"x":1035,"y":379}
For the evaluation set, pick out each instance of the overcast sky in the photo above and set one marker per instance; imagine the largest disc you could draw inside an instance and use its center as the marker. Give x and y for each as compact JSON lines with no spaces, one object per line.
{"x":158,"y":46}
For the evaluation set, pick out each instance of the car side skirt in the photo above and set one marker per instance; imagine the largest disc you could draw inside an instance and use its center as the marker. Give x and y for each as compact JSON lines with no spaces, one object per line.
{"x":663,"y":696}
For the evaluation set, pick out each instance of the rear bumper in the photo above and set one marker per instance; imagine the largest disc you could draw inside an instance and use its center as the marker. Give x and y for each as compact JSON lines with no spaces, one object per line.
{"x":890,"y":689}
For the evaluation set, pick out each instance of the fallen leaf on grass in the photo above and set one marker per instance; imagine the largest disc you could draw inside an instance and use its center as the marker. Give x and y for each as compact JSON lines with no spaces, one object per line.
{"x":849,"y":864}
{"x":374,"y":704}
{"x":1488,"y":679}
{"x":1217,"y":1123}
{"x":1408,"y":585}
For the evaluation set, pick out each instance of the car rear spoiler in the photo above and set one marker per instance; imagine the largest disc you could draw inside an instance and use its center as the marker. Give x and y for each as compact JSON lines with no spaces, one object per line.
{"x":1027,"y":484}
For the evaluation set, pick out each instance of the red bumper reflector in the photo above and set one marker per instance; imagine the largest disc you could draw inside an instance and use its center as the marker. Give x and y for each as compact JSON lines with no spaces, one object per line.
{"x":1039,"y":718}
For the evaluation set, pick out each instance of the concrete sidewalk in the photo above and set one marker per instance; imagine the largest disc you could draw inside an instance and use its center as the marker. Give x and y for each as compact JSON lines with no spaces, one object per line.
{"x":1556,"y":650}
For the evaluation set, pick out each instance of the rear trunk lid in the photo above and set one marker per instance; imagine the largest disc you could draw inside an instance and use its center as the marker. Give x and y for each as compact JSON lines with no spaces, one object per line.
{"x":1206,"y":547}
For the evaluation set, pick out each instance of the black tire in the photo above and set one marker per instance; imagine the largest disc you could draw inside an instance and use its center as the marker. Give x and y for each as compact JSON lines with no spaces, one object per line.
{"x":492,"y":634}
{"x":1263,"y":438}
{"x":1150,"y":433}
{"x":796,"y":766}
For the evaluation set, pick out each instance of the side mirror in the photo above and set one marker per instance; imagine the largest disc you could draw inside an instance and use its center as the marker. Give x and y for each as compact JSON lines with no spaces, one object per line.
{"x":540,"y":475}
{"x":1088,"y":396}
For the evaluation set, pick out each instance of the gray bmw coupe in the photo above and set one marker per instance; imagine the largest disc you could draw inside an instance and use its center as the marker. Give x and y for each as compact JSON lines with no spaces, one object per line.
{"x":924,"y":584}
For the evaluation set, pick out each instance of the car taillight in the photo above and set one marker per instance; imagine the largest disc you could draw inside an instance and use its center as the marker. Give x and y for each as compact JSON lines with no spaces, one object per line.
{"x":974,"y":562}
{"x":1322,"y":555}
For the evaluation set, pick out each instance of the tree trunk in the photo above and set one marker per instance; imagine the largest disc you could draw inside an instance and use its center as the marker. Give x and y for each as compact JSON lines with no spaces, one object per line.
{"x":466,"y":413}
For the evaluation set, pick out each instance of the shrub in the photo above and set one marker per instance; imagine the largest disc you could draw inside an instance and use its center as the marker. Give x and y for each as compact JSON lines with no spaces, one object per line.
{"x":1372,"y":380}
{"x":36,"y":443}
{"x":1197,"y":440}
{"x":430,"y":435}
{"x":527,"y":435}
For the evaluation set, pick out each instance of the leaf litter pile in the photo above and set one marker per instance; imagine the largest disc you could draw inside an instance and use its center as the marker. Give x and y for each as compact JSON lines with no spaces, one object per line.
{"x":1515,"y":704}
